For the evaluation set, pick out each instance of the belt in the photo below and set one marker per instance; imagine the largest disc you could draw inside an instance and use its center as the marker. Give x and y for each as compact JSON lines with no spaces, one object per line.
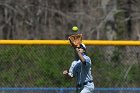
{"x":85,"y":83}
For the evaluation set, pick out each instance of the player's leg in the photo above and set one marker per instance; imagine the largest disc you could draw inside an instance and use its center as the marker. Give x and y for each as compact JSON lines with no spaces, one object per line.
{"x":89,"y":88}
{"x":85,"y":90}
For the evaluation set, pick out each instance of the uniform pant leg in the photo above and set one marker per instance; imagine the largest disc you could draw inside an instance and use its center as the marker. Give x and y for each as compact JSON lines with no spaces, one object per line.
{"x":89,"y":88}
{"x":85,"y":91}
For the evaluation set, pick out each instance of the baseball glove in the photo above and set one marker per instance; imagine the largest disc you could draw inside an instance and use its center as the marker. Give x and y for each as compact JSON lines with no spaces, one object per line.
{"x":75,"y":40}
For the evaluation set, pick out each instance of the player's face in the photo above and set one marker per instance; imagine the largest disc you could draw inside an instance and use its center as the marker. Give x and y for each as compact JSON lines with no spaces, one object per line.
{"x":81,"y":50}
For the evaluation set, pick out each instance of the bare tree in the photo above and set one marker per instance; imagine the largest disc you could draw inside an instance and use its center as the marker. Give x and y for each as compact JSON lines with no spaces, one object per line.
{"x":53,"y":19}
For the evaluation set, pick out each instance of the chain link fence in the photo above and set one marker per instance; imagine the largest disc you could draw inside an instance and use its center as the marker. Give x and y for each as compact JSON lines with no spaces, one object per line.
{"x":42,"y":66}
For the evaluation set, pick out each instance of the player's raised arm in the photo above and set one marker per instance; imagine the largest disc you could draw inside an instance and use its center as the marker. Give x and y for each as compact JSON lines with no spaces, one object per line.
{"x":79,"y":53}
{"x":76,"y":42}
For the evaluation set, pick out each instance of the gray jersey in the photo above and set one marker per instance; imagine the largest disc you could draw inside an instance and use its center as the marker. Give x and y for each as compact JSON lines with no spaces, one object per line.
{"x":81,"y":71}
{"x":71,"y":68}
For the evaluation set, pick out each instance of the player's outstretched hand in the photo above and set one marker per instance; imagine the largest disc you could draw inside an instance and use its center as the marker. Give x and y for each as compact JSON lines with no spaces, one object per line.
{"x":65,"y":72}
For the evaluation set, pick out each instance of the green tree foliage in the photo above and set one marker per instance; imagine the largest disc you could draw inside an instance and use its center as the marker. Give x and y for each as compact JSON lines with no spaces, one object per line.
{"x":42,"y":66}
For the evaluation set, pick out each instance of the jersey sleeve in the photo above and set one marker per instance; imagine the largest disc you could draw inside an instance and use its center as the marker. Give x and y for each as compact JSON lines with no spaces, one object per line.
{"x":71,"y":69}
{"x":76,"y":68}
{"x":87,"y":60}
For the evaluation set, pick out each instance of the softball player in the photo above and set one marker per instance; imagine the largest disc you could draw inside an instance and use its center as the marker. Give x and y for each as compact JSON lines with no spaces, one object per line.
{"x":81,"y":69}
